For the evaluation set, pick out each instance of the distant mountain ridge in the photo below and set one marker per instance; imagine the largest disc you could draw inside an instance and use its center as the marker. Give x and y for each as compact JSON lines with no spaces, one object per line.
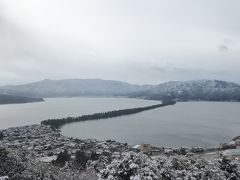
{"x":73,"y":87}
{"x":195,"y":90}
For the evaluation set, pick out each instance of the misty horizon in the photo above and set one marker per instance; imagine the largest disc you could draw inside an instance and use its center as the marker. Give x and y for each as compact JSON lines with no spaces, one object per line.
{"x":48,"y":79}
{"x":140,"y":84}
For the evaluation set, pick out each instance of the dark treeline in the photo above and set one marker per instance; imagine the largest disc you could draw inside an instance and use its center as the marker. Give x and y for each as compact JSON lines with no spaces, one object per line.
{"x":12,"y":99}
{"x":58,"y":123}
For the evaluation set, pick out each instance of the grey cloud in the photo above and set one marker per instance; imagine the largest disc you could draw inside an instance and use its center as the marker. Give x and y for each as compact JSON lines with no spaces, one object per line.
{"x":223,"y":48}
{"x":228,"y":41}
{"x":171,"y":69}
{"x":22,"y":58}
{"x":137,"y":41}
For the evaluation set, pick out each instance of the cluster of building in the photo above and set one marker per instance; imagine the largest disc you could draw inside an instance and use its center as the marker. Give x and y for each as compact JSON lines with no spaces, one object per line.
{"x":45,"y":142}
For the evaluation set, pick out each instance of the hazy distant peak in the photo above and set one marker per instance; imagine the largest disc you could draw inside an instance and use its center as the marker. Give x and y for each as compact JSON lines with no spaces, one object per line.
{"x":209,"y":90}
{"x":203,"y":82}
{"x":74,"y":87}
{"x":185,"y":90}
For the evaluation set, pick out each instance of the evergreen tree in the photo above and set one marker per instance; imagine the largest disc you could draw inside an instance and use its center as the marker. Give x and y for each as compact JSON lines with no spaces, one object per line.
{"x":62,"y":158}
{"x":81,"y":159}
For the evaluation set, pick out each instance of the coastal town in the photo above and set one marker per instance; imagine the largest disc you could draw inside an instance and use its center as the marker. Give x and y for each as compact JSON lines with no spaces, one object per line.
{"x":34,"y":151}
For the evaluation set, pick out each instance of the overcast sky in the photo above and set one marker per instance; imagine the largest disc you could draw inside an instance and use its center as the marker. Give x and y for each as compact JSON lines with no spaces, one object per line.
{"x":138,"y":41}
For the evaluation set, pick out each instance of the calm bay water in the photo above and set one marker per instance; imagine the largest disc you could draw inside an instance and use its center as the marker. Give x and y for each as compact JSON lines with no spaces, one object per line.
{"x":33,"y":113}
{"x":187,"y":124}
{"x":183,"y":124}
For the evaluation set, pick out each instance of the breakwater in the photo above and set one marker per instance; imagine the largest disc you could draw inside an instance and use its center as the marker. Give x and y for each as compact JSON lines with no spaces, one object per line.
{"x":58,"y":123}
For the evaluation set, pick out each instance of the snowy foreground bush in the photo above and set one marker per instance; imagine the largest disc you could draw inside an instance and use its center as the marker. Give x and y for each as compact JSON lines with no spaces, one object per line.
{"x":138,"y":166}
{"x":130,"y":166}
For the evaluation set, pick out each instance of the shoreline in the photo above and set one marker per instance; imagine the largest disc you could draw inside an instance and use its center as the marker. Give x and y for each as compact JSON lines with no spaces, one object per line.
{"x":42,"y":145}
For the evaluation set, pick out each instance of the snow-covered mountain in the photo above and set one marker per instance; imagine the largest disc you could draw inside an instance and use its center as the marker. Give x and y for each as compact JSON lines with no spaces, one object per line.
{"x":209,"y":90}
{"x":73,"y":87}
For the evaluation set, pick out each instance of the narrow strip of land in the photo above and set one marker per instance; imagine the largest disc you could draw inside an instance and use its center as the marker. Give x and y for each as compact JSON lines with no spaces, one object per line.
{"x":58,"y":123}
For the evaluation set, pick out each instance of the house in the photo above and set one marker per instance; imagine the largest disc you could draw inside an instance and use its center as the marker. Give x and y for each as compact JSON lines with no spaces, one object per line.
{"x":146,"y":148}
{"x":135,"y":148}
{"x":231,"y":153}
{"x":230,"y":145}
